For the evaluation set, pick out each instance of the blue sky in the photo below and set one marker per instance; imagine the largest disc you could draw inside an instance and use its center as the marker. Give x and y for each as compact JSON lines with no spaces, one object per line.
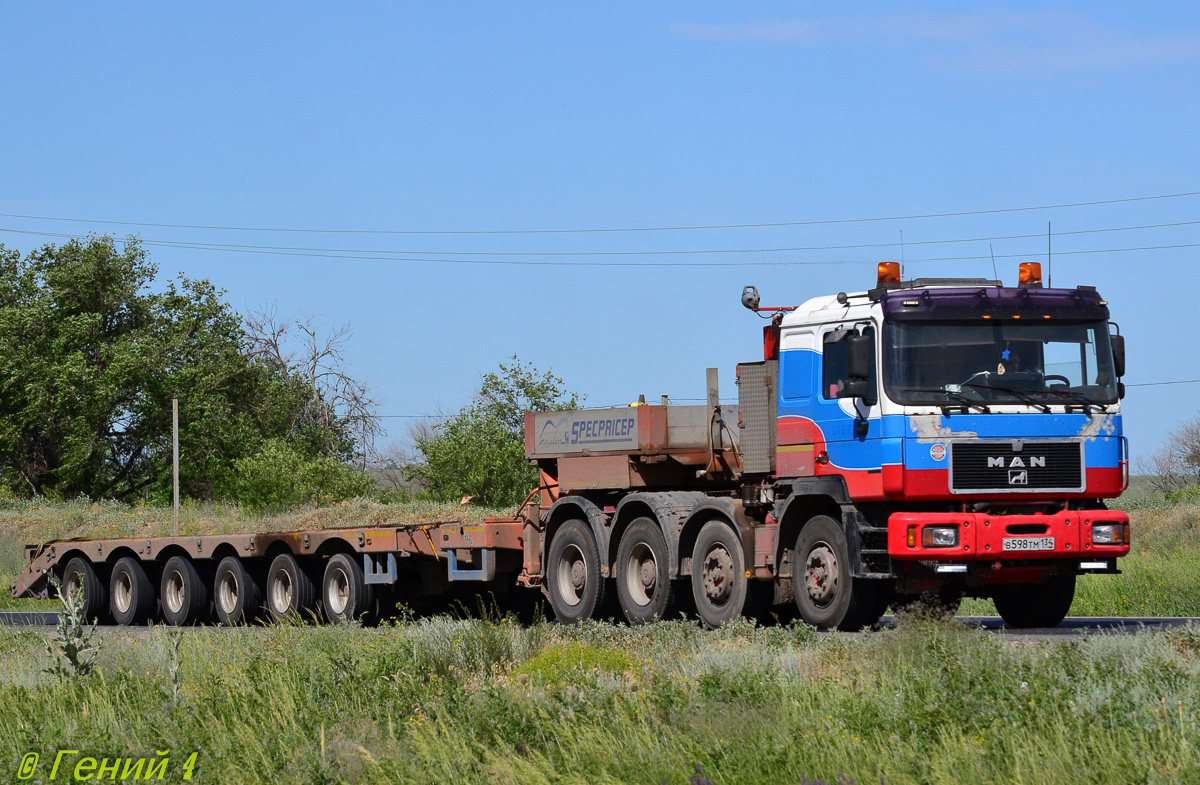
{"x":455,"y":117}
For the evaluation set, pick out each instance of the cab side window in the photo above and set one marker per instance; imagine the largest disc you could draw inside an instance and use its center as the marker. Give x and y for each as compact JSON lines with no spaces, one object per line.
{"x":834,"y":365}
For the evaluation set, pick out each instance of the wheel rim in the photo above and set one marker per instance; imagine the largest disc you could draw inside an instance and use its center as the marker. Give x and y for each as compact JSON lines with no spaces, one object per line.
{"x":572,"y":575}
{"x":337,"y":596}
{"x":717,"y":575}
{"x":73,"y":583}
{"x":175,"y":593}
{"x":281,"y":592}
{"x":227,"y":592}
{"x":821,"y":575}
{"x":123,"y":592}
{"x":641,"y":574}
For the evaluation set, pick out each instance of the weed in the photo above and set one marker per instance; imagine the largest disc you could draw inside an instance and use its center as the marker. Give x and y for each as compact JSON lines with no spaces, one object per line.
{"x":74,"y":647}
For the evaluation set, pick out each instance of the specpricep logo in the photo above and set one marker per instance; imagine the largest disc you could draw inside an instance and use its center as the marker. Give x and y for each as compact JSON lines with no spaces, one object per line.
{"x":606,"y":432}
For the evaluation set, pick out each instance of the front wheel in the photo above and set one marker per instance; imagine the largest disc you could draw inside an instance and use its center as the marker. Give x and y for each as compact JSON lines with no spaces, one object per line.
{"x":719,"y":580}
{"x":827,"y":593}
{"x":1026,"y":606}
{"x":80,"y":579}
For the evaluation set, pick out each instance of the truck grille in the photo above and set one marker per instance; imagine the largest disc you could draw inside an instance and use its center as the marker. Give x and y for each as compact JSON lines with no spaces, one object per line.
{"x":1019,"y":466}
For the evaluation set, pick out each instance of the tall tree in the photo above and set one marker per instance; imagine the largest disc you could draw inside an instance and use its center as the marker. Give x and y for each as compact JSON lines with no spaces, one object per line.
{"x":90,"y":358}
{"x":480,"y":452}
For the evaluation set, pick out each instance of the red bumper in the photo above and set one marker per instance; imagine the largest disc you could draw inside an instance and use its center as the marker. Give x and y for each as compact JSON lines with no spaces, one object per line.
{"x":1005,"y":537}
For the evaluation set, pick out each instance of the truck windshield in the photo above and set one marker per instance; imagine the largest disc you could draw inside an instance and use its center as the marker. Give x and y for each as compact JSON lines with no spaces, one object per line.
{"x":1010,"y":361}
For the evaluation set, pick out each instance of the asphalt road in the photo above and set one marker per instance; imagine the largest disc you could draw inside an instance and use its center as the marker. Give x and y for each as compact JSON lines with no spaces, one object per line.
{"x":1070,"y":627}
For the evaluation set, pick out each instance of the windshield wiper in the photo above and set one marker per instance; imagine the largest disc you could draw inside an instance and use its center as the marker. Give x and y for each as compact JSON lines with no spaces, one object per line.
{"x":964,"y":400}
{"x":1020,"y":394}
{"x":1080,"y":398}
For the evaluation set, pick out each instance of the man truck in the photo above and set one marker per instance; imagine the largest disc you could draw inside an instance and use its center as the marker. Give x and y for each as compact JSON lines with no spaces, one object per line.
{"x":924,"y":440}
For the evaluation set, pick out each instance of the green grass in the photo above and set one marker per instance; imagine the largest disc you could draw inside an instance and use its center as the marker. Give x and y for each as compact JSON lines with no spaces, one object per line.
{"x":468,"y":701}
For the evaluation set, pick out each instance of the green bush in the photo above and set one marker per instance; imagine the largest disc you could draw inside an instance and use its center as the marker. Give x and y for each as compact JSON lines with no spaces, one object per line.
{"x":1188,"y":494}
{"x":278,"y":477}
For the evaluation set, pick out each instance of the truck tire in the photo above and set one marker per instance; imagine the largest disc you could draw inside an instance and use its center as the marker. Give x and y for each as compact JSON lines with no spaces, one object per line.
{"x":81,"y":576}
{"x":291,"y":592}
{"x":719,"y":582}
{"x":345,"y":594}
{"x":237,"y":598}
{"x":573,"y":579}
{"x":184,"y":594}
{"x":130,"y":592}
{"x":644,"y":585}
{"x":1035,"y":605}
{"x":827,"y":594}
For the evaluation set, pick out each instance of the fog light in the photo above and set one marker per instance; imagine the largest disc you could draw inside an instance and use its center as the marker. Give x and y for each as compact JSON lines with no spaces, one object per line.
{"x":1107,"y":533}
{"x":939,"y":536}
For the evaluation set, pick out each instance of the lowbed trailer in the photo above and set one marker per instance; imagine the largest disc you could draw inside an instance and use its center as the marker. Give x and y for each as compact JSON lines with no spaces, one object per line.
{"x":922,"y":441}
{"x":347,"y":573}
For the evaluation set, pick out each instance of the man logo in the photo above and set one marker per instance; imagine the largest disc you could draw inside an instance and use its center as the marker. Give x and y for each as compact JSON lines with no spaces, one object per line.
{"x":1018,"y":477}
{"x":1017,"y":463}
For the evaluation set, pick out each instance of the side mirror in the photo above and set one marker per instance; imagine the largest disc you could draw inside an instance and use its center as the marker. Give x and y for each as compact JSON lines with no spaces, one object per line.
{"x":852,"y":388}
{"x":1118,"y":350}
{"x":859,"y":356}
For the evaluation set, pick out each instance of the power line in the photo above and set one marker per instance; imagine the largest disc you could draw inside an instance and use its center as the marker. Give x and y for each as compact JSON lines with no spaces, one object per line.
{"x":1163,"y":384}
{"x":534,"y":263}
{"x":695,"y":227}
{"x":695,"y":251}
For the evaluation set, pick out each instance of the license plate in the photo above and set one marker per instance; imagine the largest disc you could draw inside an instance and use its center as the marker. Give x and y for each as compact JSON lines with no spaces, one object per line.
{"x":1028,"y":543}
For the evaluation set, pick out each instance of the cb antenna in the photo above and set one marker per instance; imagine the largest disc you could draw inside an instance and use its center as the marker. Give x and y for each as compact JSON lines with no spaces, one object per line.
{"x":1049,"y":269}
{"x":901,"y":254}
{"x":993,"y":253}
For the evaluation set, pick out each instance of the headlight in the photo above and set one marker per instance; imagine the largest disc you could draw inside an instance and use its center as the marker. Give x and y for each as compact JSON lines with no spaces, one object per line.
{"x":939,"y":536}
{"x":1107,"y":533}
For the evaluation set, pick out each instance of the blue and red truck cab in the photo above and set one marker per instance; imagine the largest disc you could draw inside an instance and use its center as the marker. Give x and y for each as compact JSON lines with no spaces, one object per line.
{"x":957,"y":437}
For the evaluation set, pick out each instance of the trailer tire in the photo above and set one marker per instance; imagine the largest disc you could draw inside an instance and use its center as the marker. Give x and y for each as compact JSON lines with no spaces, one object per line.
{"x":184,"y":594}
{"x":345,"y":594}
{"x":80,"y":574}
{"x":644,"y":585}
{"x":573,"y":579}
{"x":237,"y":598}
{"x":827,"y":593}
{"x":291,"y":593}
{"x":130,"y":592}
{"x":719,"y":583}
{"x":1035,"y":605}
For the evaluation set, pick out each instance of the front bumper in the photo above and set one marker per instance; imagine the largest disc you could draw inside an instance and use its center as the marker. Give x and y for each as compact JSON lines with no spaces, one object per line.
{"x":1005,"y":537}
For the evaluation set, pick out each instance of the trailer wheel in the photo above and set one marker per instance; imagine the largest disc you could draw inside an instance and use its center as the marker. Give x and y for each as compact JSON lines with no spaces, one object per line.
{"x":827,"y":594}
{"x":644,"y":584}
{"x":344,"y":593}
{"x":80,"y":576}
{"x":719,"y":582}
{"x":1035,"y":605}
{"x":577,"y":589}
{"x":236,"y":595}
{"x":184,"y":595}
{"x":291,"y":593}
{"x":131,"y":594}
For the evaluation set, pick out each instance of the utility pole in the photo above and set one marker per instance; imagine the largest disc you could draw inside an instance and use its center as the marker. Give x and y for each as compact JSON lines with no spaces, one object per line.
{"x":175,"y":458}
